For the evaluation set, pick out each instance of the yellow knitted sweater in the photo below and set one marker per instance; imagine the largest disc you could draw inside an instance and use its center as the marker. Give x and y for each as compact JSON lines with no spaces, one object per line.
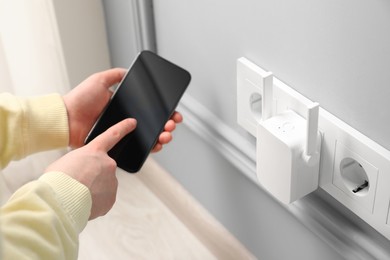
{"x":42,"y":220}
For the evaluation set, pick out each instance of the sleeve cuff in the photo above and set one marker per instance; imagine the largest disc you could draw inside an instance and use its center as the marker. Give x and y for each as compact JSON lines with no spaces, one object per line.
{"x":74,"y":196}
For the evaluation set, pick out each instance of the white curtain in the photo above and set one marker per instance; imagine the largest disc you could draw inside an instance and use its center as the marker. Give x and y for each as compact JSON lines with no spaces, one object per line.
{"x":40,"y":53}
{"x":31,"y":54}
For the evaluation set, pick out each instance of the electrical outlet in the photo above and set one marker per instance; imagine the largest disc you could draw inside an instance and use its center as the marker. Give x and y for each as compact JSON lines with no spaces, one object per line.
{"x":250,"y":89}
{"x":355,"y":170}
{"x":355,"y":176}
{"x":350,"y":165}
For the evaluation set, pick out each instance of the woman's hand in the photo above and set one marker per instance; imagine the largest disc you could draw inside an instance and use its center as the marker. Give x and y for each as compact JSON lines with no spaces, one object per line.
{"x":91,"y":166}
{"x":86,"y":102}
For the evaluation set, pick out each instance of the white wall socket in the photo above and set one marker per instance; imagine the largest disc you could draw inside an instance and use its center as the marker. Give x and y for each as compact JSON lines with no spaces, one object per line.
{"x":355,"y":176}
{"x":354,"y":169}
{"x":250,"y":87}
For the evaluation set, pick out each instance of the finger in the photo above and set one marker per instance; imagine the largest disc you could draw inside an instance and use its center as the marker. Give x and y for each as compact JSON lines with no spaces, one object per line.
{"x":177,"y":117}
{"x":108,"y":139}
{"x":165,"y":137}
{"x":158,"y":147}
{"x":170,"y":126}
{"x":113,"y":76}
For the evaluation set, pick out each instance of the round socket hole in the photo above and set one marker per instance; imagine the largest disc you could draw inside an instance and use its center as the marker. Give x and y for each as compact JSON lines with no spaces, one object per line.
{"x":255,"y":101}
{"x":354,"y":176}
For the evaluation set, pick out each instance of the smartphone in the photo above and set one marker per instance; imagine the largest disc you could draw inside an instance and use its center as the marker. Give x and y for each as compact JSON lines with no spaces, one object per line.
{"x":149,"y":92}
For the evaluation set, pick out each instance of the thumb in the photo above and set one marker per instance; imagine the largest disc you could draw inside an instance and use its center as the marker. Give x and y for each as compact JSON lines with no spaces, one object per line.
{"x":113,"y":76}
{"x":108,"y":139}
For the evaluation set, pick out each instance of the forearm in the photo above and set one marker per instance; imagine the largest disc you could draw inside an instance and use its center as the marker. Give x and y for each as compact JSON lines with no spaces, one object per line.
{"x":31,"y":125}
{"x":42,"y":220}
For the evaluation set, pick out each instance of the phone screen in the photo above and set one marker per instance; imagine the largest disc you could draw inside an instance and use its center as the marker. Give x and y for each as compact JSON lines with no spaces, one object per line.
{"x":149,"y":92}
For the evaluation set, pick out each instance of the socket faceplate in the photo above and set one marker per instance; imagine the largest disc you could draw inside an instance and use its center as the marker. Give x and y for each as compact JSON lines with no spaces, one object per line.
{"x":356,"y":173}
{"x":250,"y":83}
{"x":341,"y":142}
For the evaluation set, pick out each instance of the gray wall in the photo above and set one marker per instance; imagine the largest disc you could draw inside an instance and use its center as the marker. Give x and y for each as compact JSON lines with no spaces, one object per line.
{"x":333,"y":52}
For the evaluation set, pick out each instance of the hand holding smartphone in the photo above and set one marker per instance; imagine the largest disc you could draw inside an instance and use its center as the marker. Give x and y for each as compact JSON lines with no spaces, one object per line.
{"x":149,"y":92}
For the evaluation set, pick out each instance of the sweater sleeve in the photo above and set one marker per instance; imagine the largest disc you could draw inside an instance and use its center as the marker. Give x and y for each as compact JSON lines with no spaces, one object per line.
{"x":31,"y":125}
{"x":42,"y":219}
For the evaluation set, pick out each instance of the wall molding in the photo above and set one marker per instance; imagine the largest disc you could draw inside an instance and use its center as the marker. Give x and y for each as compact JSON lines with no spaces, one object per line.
{"x":314,"y":211}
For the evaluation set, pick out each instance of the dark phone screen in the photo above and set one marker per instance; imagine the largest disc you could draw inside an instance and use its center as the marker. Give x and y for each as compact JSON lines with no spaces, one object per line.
{"x":149,"y":93}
